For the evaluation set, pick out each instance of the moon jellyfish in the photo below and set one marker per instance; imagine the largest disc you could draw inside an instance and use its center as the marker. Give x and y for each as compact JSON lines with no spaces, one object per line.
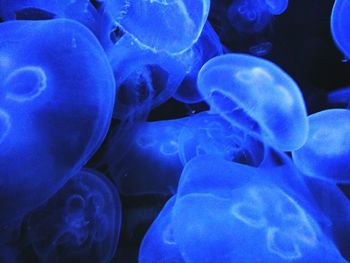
{"x":326,"y":153}
{"x":208,"y":46}
{"x":80,"y":223}
{"x":56,"y":101}
{"x":340,"y":96}
{"x":253,"y":16}
{"x":340,"y":23}
{"x":242,"y":87}
{"x":228,"y":212}
{"x":161,"y":148}
{"x":179,"y":23}
{"x":80,"y":10}
{"x":159,"y":245}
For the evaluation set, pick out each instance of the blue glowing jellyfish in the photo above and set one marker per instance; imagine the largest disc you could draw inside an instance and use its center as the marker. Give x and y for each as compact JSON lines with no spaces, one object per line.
{"x":80,"y":10}
{"x":56,"y":102}
{"x":340,"y":23}
{"x":159,"y":245}
{"x":80,"y":223}
{"x":228,"y":212}
{"x":208,"y":46}
{"x":179,"y":23}
{"x":243,"y":88}
{"x":161,"y":148}
{"x":326,"y":153}
{"x":340,"y":96}
{"x":253,"y":16}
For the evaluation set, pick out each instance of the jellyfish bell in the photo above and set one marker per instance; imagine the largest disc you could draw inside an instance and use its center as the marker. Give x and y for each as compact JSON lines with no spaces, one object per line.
{"x":80,"y":223}
{"x":56,"y":87}
{"x":178,"y":22}
{"x":224,"y":209}
{"x":326,"y":153}
{"x":247,"y":89}
{"x":340,"y":23}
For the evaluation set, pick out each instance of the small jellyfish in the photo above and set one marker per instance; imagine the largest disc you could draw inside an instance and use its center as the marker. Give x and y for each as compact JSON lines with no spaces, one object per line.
{"x":245,"y":89}
{"x":326,"y":153}
{"x":80,"y":223}
{"x":178,"y":22}
{"x":340,"y":97}
{"x":340,"y":23}
{"x":253,"y":16}
{"x":56,"y":102}
{"x":159,"y":245}
{"x":228,"y":212}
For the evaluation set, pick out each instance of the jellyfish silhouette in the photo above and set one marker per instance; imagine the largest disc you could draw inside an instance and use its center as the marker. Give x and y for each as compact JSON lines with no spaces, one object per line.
{"x":80,"y":223}
{"x":229,"y":212}
{"x":340,"y":23}
{"x":253,"y":16}
{"x":248,"y":90}
{"x":56,"y":103}
{"x":326,"y":153}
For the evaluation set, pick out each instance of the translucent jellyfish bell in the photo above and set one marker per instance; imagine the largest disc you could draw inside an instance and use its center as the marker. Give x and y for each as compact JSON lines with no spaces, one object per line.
{"x":237,"y":83}
{"x":80,"y":223}
{"x":162,"y":148}
{"x":178,"y":22}
{"x":56,"y":100}
{"x":326,"y":153}
{"x":228,"y":212}
{"x":340,"y":23}
{"x":80,"y":10}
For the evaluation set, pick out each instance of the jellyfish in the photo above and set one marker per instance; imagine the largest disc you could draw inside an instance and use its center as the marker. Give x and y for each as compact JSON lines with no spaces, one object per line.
{"x":229,"y":212}
{"x":340,"y":96}
{"x":208,"y":46}
{"x":80,"y":223}
{"x":179,"y":23}
{"x":159,"y":245}
{"x":326,"y":153}
{"x":56,"y":102}
{"x":80,"y":10}
{"x":253,"y":16}
{"x":161,"y":149}
{"x":339,"y":26}
{"x":257,"y":94}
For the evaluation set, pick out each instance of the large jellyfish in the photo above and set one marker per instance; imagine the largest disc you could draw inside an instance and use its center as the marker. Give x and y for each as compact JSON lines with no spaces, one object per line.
{"x":245,"y":89}
{"x":80,"y":10}
{"x":80,"y":223}
{"x":326,"y":153}
{"x":159,"y":245}
{"x":161,"y":148}
{"x":229,"y":212}
{"x":56,"y":102}
{"x":253,"y":16}
{"x":340,"y":24}
{"x":179,"y":23}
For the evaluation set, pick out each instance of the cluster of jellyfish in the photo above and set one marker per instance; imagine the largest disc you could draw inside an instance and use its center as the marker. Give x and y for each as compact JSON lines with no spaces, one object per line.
{"x":250,"y":175}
